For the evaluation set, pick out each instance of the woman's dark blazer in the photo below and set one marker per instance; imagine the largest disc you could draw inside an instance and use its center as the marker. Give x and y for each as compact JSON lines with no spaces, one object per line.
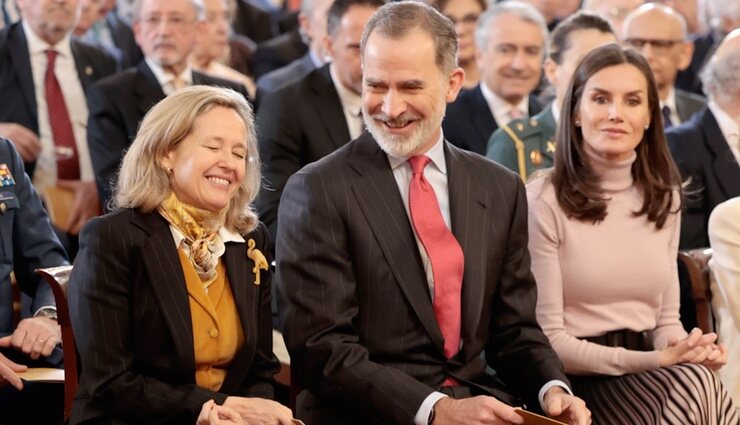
{"x":131,"y":320}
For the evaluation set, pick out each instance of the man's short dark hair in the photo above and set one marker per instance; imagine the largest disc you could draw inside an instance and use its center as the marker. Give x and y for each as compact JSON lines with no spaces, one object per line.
{"x":340,"y":7}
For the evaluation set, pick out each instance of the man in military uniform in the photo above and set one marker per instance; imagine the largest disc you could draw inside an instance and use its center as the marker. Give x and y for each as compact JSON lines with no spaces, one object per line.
{"x":526,"y":145}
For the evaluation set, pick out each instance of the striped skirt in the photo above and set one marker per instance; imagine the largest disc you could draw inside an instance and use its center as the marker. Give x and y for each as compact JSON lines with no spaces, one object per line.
{"x":684,"y":394}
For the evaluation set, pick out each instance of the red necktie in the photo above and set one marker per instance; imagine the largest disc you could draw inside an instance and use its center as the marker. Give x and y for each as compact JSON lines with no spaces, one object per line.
{"x":445,"y":254}
{"x":68,"y":165}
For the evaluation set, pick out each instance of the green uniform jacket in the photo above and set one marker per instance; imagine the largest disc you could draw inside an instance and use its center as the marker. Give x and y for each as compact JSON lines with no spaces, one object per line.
{"x":525,"y":145}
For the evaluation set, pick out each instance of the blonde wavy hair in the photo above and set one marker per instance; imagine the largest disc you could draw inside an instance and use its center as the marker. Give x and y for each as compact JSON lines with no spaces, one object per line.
{"x":143,"y":182}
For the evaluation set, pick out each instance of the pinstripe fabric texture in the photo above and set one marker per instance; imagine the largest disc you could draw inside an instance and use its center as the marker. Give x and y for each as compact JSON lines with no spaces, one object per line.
{"x":358,"y":316}
{"x":684,"y":394}
{"x":131,"y":319}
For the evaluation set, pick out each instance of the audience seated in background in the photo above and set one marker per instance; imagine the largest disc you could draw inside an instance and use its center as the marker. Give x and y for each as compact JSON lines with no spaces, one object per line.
{"x":660,"y":35}
{"x":604,"y":241}
{"x":706,"y":148}
{"x":464,"y":14}
{"x":28,"y":242}
{"x":614,"y":11}
{"x":723,"y":17}
{"x":693,"y":13}
{"x":212,"y":45}
{"x":396,"y":305}
{"x":111,"y":33}
{"x":724,"y":237}
{"x":510,"y":38}
{"x":118,"y":103}
{"x":525,"y":145}
{"x":170,"y":293}
{"x":44,"y":76}
{"x":312,"y":21}
{"x":312,"y":117}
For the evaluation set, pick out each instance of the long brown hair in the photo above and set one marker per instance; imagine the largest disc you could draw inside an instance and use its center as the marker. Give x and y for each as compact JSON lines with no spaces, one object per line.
{"x":577,"y":187}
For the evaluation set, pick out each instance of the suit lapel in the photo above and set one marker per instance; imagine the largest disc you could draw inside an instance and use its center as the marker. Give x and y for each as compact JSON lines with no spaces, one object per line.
{"x":469,"y":220}
{"x":85,"y":70}
{"x":329,"y":106}
{"x":482,"y":119}
{"x":148,"y":91}
{"x":24,"y":75}
{"x":238,"y":269}
{"x":726,"y":168}
{"x":382,"y":206}
{"x":168,"y":283}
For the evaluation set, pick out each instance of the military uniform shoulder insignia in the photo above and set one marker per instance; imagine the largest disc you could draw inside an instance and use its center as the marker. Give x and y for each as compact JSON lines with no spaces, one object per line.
{"x":550,"y":146}
{"x":533,"y":122}
{"x":6,"y":178}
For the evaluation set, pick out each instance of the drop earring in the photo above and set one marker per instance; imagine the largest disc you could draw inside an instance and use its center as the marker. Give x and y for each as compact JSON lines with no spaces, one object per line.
{"x":577,"y":123}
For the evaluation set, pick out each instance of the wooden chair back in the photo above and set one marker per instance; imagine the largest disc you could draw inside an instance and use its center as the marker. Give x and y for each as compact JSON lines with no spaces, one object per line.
{"x":697,"y":266}
{"x":58,"y":278}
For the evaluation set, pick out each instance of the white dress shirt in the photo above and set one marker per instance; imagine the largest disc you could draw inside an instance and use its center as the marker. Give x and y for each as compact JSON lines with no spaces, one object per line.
{"x":45,"y":174}
{"x":166,"y":79}
{"x":436,"y":174}
{"x":729,"y":127}
{"x":351,"y":105}
{"x":500,"y":108}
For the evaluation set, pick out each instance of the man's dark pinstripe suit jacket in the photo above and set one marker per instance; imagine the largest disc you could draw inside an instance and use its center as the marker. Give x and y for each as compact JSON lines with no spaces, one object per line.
{"x":355,"y":303}
{"x":131,"y":318}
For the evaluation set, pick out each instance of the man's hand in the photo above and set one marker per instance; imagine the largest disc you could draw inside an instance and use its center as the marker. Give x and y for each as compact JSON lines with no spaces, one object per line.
{"x":36,"y":336}
{"x":565,"y":407}
{"x":8,"y":370}
{"x":86,"y":204}
{"x":260,"y":411}
{"x":474,"y":411}
{"x":25,"y":140}
{"x":213,"y":414}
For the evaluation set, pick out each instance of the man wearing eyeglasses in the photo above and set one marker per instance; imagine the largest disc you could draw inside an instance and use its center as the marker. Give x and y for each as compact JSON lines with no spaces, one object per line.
{"x":166,"y":31}
{"x":659,"y":33}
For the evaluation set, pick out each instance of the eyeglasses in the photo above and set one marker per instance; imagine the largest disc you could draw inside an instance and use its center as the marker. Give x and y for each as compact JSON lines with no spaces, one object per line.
{"x":175,"y":21}
{"x":469,"y":19}
{"x":657,"y":45}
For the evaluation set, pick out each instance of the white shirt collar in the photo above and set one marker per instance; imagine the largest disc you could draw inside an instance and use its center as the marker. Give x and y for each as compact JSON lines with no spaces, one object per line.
{"x":164,"y":78}
{"x":670,"y":101}
{"x":36,"y":45}
{"x":727,"y":124}
{"x":350,"y":100}
{"x":499,"y":107}
{"x":436,"y":153}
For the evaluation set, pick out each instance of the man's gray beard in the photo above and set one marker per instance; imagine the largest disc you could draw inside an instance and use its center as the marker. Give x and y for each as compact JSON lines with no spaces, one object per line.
{"x":403,"y":146}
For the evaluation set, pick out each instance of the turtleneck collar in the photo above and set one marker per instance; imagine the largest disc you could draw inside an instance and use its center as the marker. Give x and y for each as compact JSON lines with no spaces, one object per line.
{"x":616,"y":176}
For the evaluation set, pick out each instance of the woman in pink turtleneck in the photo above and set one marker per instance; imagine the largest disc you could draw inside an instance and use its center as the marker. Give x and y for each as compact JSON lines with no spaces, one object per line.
{"x":604,"y":227}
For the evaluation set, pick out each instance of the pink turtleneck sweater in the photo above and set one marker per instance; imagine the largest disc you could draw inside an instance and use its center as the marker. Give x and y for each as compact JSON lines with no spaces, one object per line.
{"x":593,"y":278}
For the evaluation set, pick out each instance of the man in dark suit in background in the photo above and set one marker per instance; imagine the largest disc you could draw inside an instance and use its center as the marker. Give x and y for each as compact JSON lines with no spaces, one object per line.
{"x":314,"y":116}
{"x":511,"y":46}
{"x":43,"y":79}
{"x":312,"y":21}
{"x":659,"y":33}
{"x":401,"y":283}
{"x":166,"y":31}
{"x":707,"y":147}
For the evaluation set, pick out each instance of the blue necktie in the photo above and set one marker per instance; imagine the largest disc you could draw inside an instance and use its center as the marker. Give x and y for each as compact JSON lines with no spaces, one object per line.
{"x":667,"y":121}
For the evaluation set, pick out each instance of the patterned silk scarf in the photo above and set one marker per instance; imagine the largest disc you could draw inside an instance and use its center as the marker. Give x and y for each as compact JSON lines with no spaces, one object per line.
{"x":200,"y":227}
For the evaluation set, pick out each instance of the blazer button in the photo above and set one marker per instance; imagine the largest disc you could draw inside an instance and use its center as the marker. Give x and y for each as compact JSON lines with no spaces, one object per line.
{"x":213,"y":333}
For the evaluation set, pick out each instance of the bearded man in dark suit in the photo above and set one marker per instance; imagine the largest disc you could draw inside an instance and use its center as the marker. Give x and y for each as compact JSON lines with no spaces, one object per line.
{"x":402,"y":261}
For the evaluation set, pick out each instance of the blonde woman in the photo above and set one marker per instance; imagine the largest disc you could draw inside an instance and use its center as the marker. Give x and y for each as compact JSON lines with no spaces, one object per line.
{"x":170,"y":294}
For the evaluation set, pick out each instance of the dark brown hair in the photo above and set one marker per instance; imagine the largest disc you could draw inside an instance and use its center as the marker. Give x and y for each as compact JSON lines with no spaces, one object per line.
{"x":560,"y":40}
{"x":577,"y":187}
{"x":441,"y":4}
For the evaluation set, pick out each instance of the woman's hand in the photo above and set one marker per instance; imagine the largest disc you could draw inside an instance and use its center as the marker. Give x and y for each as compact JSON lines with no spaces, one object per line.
{"x":697,"y":348}
{"x":213,"y":414}
{"x":260,"y":411}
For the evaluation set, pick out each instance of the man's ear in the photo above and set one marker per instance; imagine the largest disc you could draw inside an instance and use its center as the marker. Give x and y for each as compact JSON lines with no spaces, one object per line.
{"x":550,"y":68}
{"x":684,"y":59}
{"x":454,"y":84}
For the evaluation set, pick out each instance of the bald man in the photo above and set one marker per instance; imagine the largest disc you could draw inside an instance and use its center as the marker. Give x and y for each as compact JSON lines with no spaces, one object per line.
{"x":660,"y":34}
{"x":707,"y":147}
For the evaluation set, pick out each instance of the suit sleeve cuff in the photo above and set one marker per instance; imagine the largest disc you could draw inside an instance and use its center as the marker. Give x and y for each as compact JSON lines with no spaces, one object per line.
{"x":422,"y":415}
{"x":547,"y":386}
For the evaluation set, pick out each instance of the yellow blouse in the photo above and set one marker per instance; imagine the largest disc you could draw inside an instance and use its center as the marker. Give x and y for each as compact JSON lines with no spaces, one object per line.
{"x":217,"y":329}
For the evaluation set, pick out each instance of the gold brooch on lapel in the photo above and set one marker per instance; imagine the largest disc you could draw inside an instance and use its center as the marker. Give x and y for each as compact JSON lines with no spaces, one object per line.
{"x":260,"y":261}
